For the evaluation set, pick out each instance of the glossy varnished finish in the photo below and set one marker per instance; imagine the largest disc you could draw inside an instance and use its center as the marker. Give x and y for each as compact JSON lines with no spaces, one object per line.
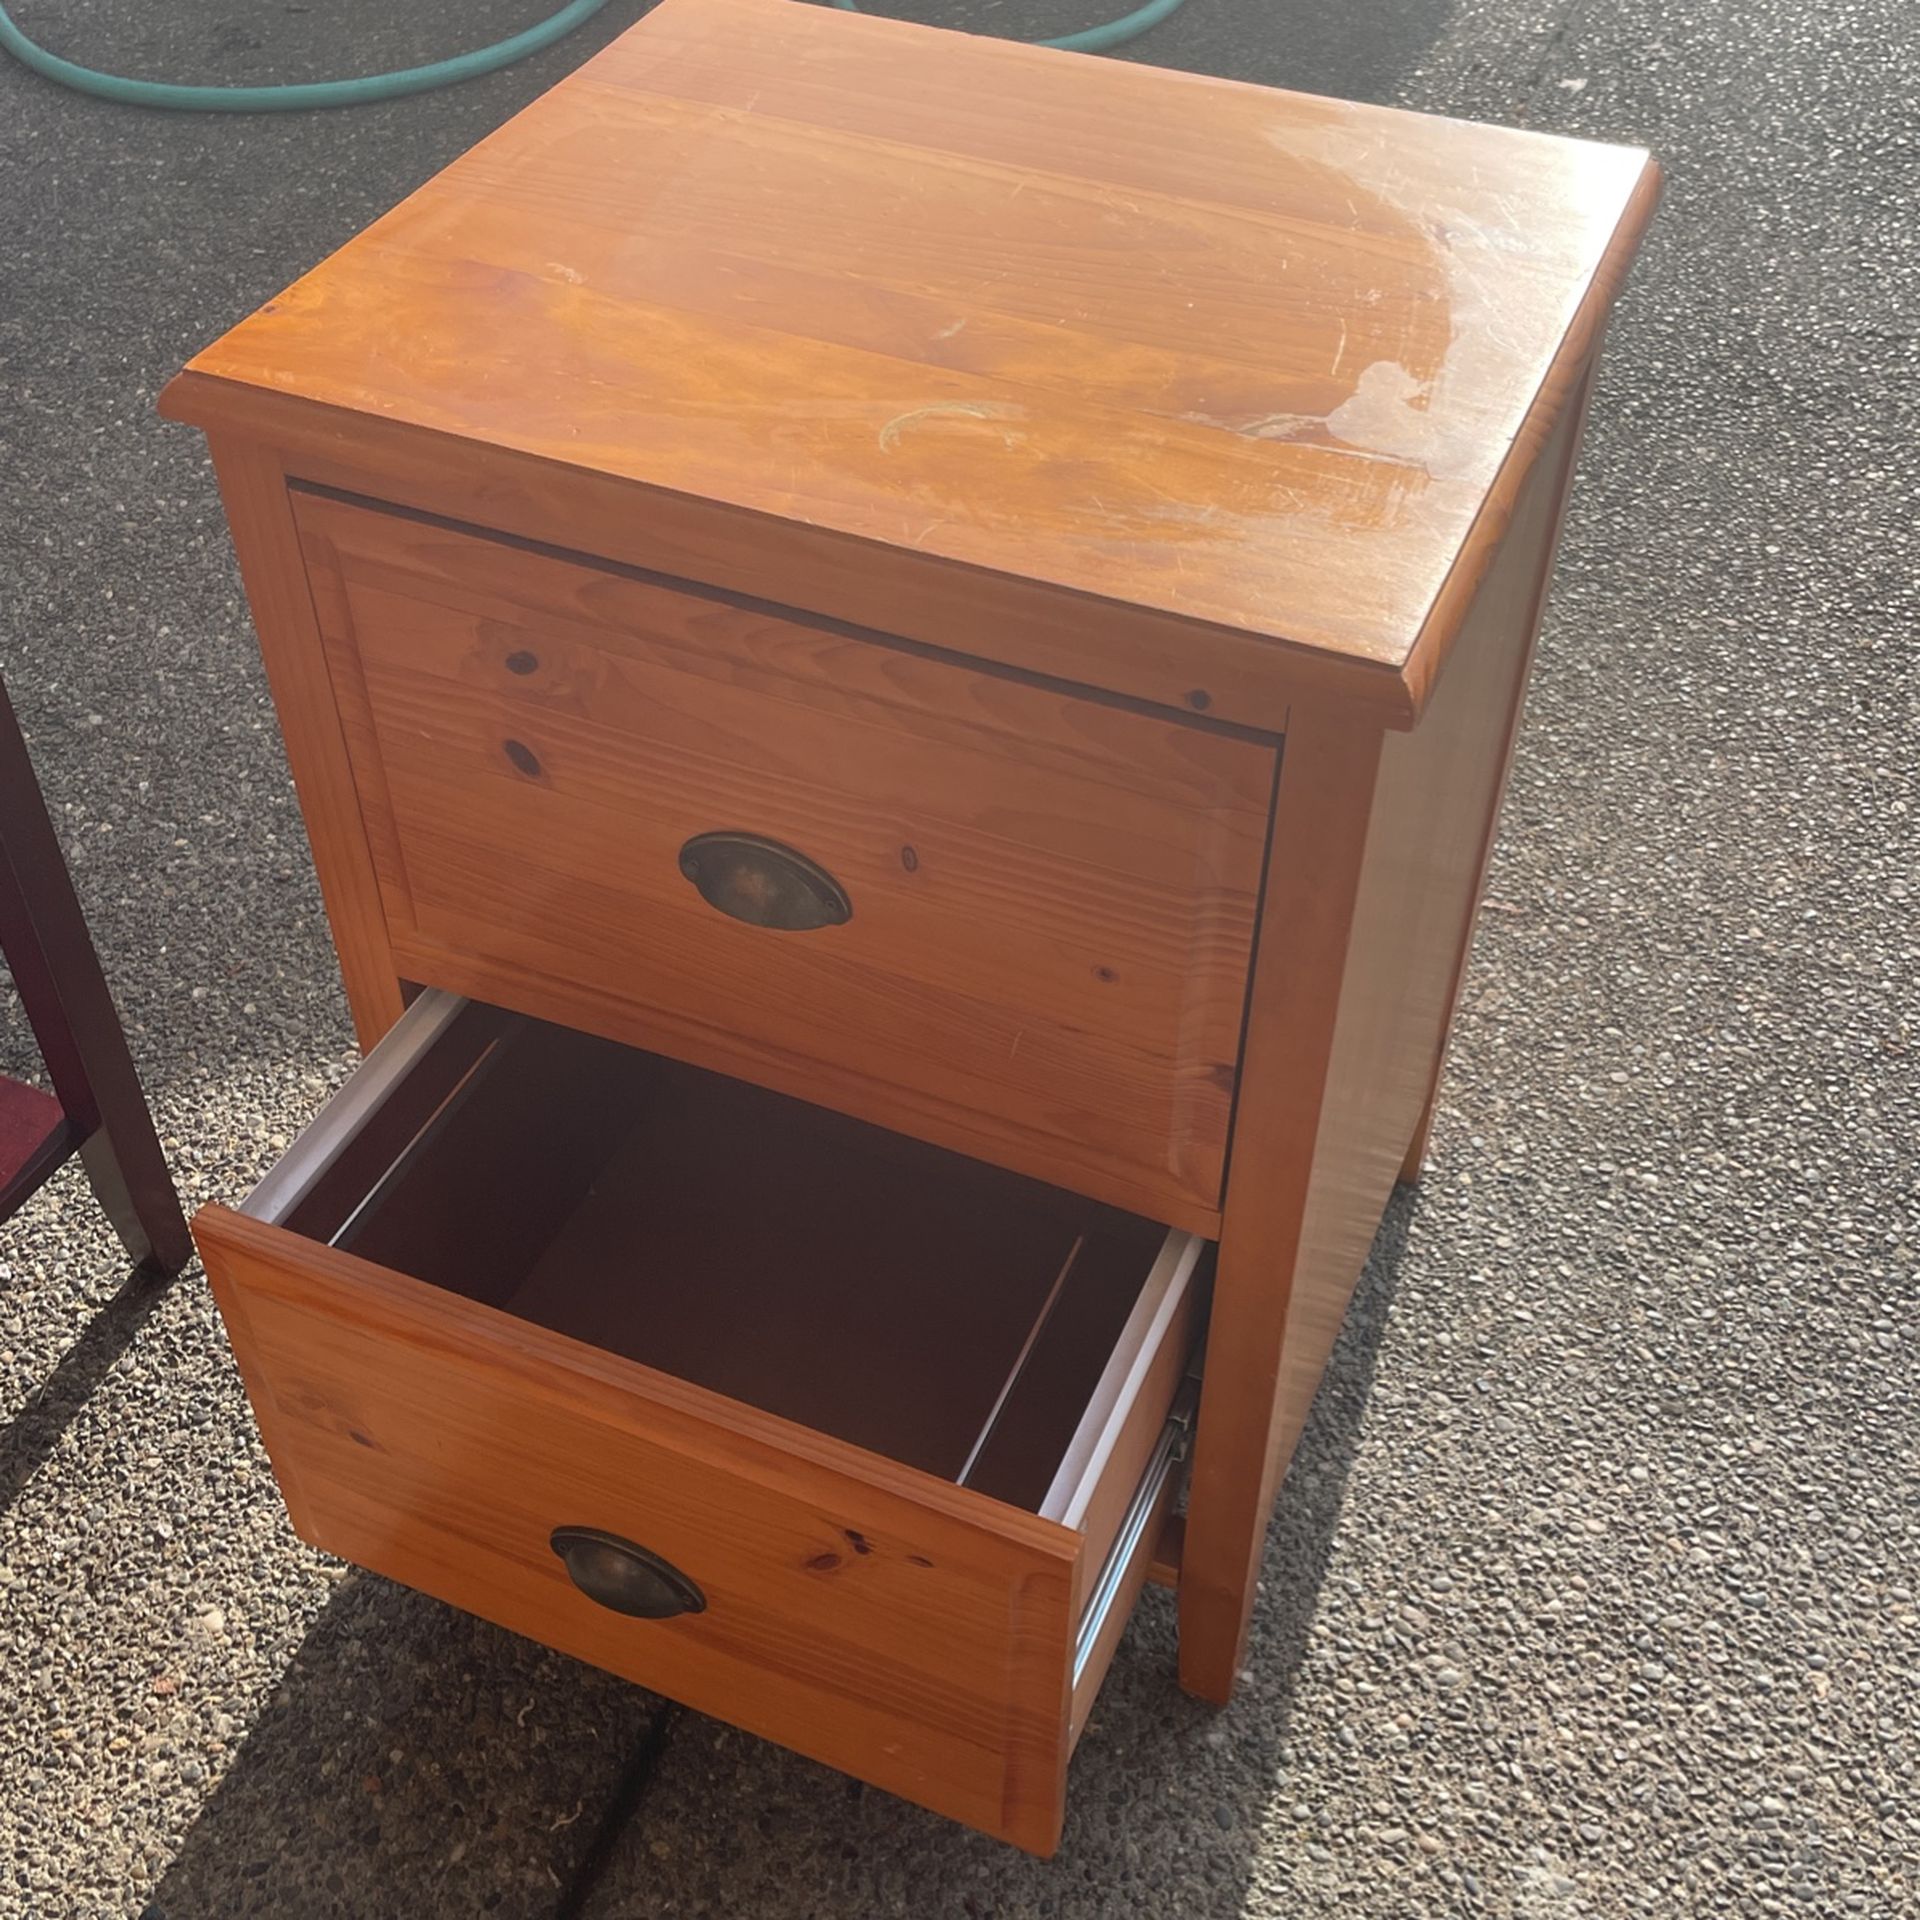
{"x":874,"y":1617}
{"x":1348,"y":1023}
{"x":1051,"y":899}
{"x":1266,"y":367}
{"x":1096,"y":521}
{"x":253,"y":489}
{"x":918,"y":1635}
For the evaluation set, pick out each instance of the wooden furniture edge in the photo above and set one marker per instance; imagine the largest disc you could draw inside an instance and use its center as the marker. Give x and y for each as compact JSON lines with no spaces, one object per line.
{"x":1565,"y":384}
{"x":273,"y":570}
{"x":1016,"y":623}
{"x":1321,"y":817}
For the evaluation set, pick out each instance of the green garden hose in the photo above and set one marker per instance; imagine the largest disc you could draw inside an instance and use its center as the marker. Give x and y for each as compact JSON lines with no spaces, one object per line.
{"x":296,"y":95}
{"x":1116,"y":33}
{"x":291,"y":97}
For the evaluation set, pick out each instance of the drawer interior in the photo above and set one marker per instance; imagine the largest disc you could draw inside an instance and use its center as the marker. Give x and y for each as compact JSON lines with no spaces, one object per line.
{"x":928,"y":1308}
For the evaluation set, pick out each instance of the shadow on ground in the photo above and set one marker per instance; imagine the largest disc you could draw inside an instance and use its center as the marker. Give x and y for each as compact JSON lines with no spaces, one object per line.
{"x":415,"y":1760}
{"x":32,"y":1434}
{"x":411,"y":1761}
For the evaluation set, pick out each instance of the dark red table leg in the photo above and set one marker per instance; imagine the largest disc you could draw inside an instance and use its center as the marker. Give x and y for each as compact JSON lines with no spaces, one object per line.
{"x":96,"y":1108}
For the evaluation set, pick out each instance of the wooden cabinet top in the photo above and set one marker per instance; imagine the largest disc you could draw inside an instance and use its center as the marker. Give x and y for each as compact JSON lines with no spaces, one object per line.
{"x":1261,"y":368}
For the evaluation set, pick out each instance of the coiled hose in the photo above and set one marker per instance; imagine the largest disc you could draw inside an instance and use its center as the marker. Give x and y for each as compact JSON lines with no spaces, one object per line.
{"x":296,"y":96}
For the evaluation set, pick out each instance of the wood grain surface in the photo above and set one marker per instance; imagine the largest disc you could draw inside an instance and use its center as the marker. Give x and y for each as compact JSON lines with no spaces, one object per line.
{"x":1271,"y":366}
{"x":864,"y":1613}
{"x":253,"y":489}
{"x":1053,"y":899}
{"x":982,"y":469}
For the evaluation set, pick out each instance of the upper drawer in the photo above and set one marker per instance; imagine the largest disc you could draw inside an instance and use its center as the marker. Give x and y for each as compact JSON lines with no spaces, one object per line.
{"x":1049,"y":901}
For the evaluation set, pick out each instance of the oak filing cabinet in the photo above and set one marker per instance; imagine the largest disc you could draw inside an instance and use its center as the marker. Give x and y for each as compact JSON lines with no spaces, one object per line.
{"x":900,"y":653}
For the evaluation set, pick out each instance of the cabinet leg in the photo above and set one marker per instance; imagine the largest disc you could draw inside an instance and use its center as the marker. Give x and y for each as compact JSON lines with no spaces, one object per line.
{"x":1210,"y":1643}
{"x":1274,"y":1311}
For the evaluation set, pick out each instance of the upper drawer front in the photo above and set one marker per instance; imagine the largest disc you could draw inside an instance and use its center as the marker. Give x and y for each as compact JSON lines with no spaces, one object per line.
{"x":1052,"y":900}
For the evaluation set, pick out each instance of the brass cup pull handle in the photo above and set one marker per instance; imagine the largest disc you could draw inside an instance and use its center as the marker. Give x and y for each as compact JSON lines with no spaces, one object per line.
{"x":751,"y":878}
{"x":624,"y":1577}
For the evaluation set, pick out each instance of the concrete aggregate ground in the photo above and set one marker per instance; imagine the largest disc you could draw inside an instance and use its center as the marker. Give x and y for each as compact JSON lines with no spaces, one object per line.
{"x":1592,"y":1593}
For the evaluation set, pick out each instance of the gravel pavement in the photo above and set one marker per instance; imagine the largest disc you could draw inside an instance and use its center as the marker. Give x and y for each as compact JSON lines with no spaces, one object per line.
{"x":1593,"y":1590}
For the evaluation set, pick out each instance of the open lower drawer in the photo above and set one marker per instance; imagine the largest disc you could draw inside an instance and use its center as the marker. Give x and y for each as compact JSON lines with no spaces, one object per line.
{"x":855,"y":1443}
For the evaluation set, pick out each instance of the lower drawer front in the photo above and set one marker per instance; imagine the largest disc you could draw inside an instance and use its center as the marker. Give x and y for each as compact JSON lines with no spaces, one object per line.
{"x":936,"y":1641}
{"x":915,"y":1635}
{"x":901,"y":1634}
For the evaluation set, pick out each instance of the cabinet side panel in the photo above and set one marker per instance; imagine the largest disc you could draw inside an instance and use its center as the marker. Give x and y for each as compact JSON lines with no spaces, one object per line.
{"x":1294,"y":1240}
{"x":1435,"y":812}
